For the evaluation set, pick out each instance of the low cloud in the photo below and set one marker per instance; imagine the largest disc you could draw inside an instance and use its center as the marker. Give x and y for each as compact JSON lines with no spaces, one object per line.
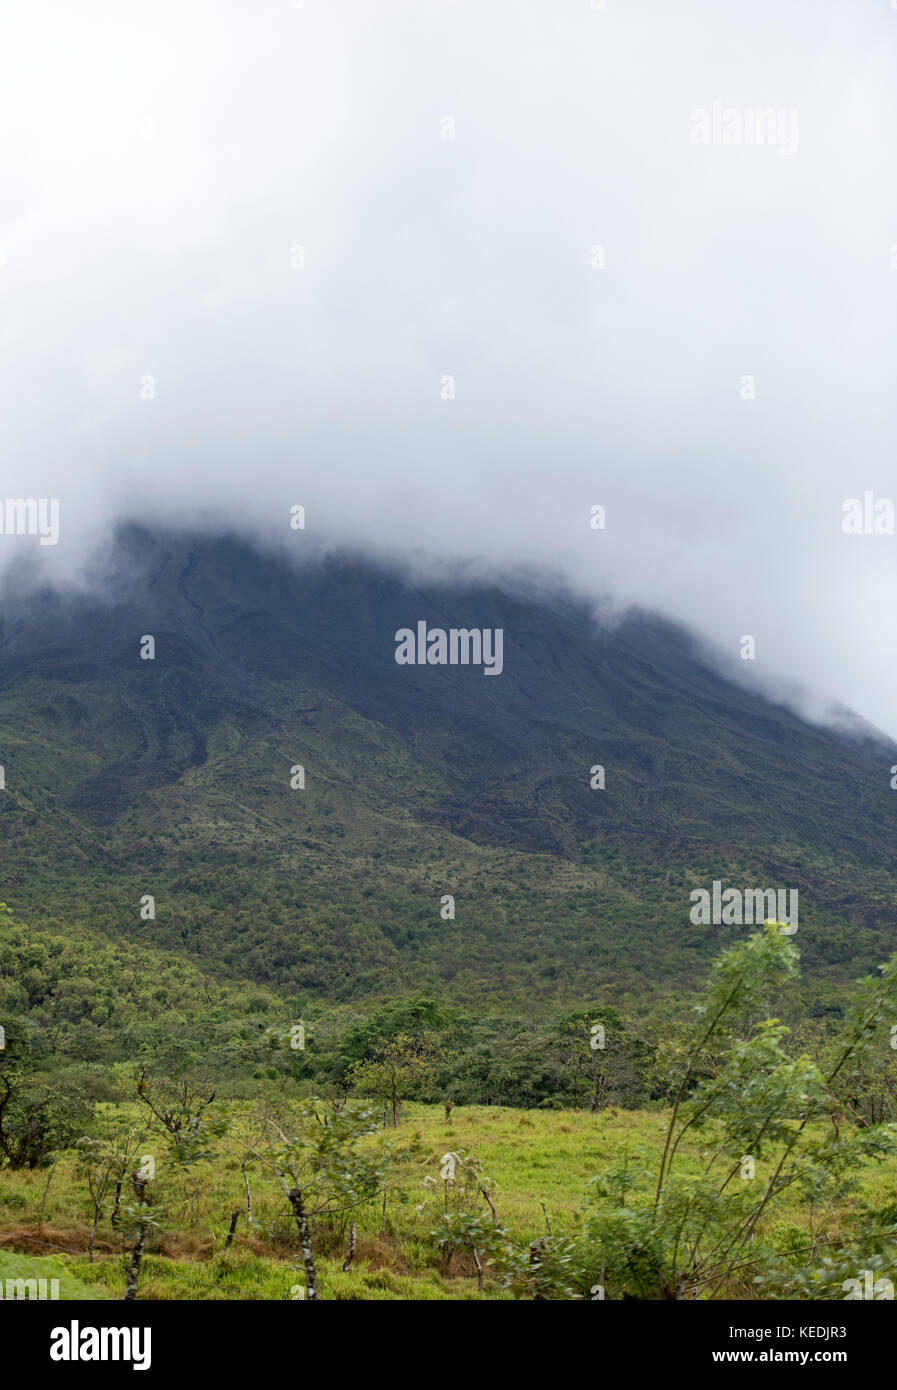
{"x":451,"y":276}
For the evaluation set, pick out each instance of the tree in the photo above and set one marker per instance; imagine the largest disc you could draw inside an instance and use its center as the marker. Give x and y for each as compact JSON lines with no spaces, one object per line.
{"x":103,"y":1162}
{"x":324,"y":1170}
{"x":663,"y":1234}
{"x":459,"y":1193}
{"x":757,"y":1104}
{"x":39,"y":1117}
{"x":139,"y":1218}
{"x":604,"y":1055}
{"x":184,"y":1113}
{"x":191,"y":1130}
{"x":401,"y":1066}
{"x":865,"y":1087}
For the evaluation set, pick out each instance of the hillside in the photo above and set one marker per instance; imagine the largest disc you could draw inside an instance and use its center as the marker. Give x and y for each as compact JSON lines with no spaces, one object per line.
{"x":171,"y":777}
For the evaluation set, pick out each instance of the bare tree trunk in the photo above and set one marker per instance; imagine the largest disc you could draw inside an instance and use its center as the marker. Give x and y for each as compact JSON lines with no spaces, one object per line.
{"x":234,"y":1218}
{"x":248,"y":1194}
{"x":136,"y":1262}
{"x":93,"y":1233}
{"x":116,"y":1217}
{"x":308,"y":1259}
{"x":480,"y":1272}
{"x":491,"y":1204}
{"x":350,"y":1255}
{"x":139,"y":1243}
{"x":535,"y":1258}
{"x":43,"y":1199}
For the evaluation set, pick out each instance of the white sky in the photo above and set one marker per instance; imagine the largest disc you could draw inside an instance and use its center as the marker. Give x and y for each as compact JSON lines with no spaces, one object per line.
{"x":159,"y":161}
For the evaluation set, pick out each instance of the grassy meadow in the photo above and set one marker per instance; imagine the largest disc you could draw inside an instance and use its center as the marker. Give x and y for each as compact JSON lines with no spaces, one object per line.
{"x":540,"y":1164}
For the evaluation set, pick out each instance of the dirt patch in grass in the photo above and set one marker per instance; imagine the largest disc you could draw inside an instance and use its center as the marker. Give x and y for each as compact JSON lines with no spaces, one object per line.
{"x":185,"y":1245}
{"x":49,"y":1240}
{"x":74,"y":1240}
{"x":380,"y":1254}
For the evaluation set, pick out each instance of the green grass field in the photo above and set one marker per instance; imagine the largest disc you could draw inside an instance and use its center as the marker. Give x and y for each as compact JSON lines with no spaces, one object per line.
{"x":540,"y":1162}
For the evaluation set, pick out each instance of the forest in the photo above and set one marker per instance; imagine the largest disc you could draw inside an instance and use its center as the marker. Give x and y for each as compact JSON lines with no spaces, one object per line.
{"x":735,"y":1149}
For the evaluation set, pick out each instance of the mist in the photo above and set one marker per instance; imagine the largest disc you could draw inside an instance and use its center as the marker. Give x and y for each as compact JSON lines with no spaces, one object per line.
{"x":449,"y":276}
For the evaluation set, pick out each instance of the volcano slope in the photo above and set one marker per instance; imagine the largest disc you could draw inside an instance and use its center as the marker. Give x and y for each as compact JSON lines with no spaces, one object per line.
{"x":172,"y":777}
